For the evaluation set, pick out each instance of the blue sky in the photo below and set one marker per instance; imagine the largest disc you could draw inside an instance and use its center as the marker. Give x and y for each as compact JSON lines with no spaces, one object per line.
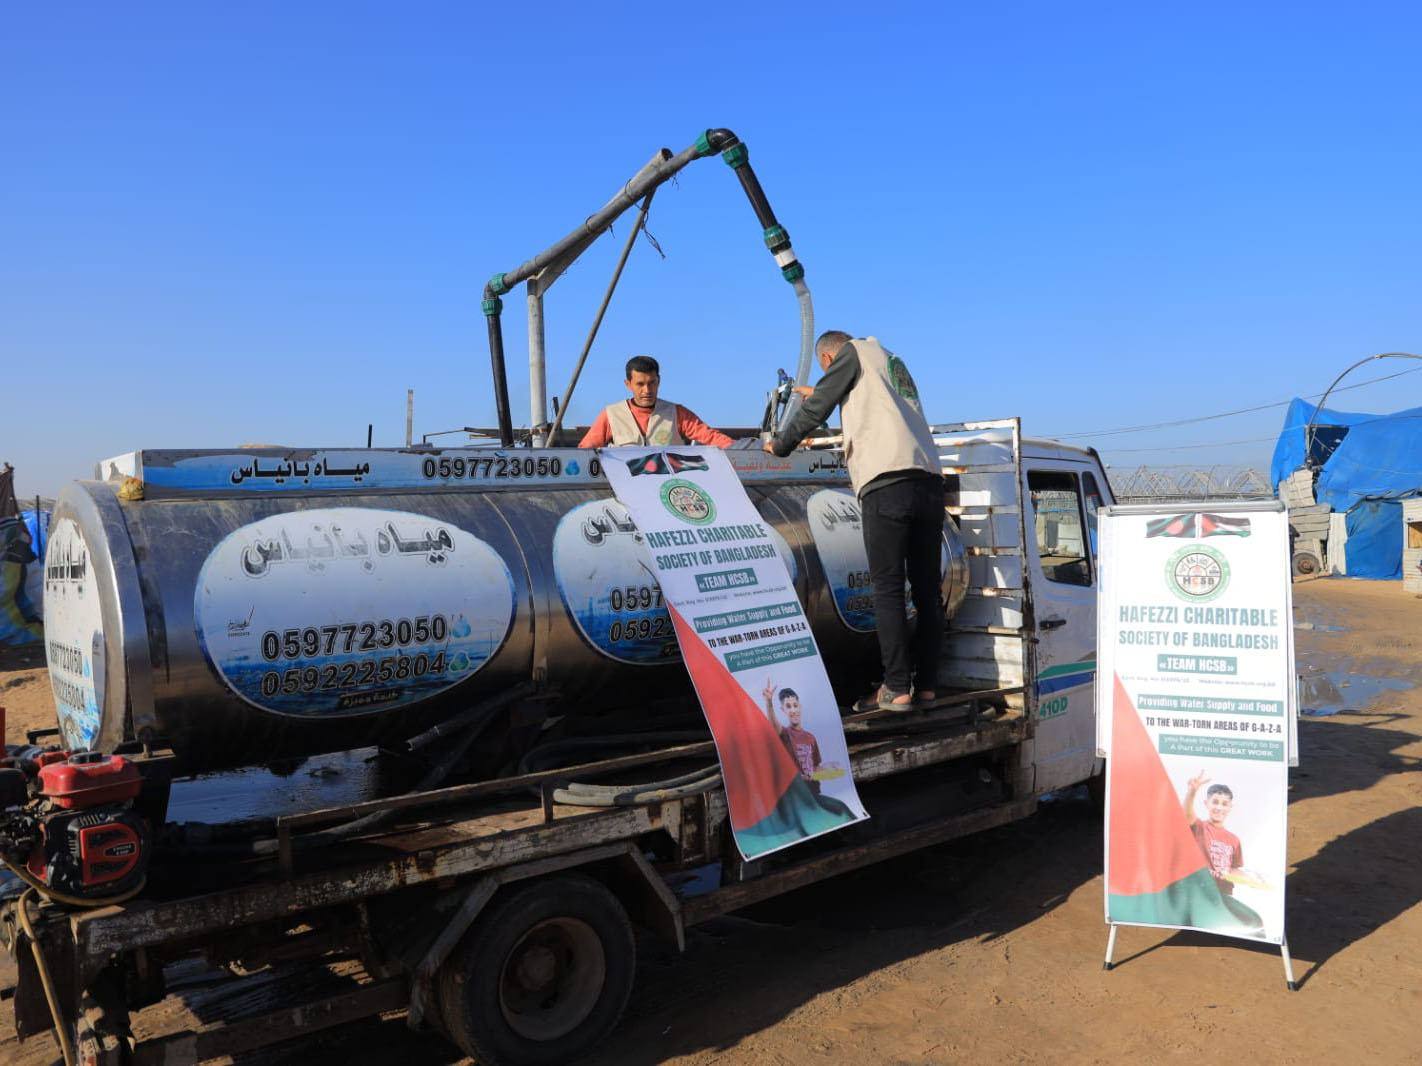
{"x":264,"y":222}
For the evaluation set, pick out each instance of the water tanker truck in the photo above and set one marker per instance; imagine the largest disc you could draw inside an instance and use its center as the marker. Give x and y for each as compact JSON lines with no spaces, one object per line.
{"x":474,"y":623}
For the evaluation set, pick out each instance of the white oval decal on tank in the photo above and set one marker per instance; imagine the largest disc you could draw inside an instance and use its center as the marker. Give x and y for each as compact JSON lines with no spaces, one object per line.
{"x":614,"y":600}
{"x":73,"y":635}
{"x":347,"y":610}
{"x":837,"y":524}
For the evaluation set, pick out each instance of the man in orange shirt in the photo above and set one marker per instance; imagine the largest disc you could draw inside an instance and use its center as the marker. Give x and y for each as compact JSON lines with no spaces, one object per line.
{"x":644,"y":419}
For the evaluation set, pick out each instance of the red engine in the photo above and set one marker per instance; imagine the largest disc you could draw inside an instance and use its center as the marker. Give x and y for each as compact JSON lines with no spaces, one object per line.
{"x":78,"y":833}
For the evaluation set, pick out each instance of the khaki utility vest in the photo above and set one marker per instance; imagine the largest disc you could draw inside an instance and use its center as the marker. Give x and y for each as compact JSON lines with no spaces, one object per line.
{"x":884,"y":427}
{"x":661,"y":426}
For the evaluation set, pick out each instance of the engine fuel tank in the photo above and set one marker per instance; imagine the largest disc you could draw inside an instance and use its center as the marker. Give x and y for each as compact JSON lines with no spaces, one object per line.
{"x":244,"y":606}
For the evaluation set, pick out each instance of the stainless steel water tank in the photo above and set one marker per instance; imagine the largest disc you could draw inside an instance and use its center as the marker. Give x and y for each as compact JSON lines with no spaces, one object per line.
{"x":261,"y":604}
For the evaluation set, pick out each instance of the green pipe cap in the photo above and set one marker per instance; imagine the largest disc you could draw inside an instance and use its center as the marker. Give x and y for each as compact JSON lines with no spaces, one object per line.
{"x":736,"y":156}
{"x":792,"y":273}
{"x":493,"y":306}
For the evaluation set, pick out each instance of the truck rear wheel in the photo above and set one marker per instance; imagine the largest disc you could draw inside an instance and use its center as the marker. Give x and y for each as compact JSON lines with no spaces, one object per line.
{"x":543,"y":976}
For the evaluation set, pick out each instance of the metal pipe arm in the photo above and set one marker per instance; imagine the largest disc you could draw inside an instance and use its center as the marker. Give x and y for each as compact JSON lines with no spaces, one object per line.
{"x":661,"y":168}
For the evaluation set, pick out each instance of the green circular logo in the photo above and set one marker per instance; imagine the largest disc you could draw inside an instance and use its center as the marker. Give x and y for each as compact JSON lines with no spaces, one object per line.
{"x":902,"y":379}
{"x":1197,"y":573}
{"x":688,"y":502}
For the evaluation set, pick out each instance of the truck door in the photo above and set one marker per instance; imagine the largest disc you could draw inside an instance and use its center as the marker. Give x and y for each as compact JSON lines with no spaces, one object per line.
{"x":1061,"y":535}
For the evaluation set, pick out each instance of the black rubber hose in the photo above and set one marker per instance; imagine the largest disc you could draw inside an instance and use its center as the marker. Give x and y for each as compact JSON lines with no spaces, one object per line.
{"x":501,"y":376}
{"x":477,"y":719}
{"x":751,"y":184}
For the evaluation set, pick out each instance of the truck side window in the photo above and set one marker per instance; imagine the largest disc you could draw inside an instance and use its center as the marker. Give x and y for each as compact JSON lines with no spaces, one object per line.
{"x":1056,"y":509}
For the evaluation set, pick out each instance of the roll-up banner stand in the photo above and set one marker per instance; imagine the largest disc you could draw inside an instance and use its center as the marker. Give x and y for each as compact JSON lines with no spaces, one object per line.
{"x":746,"y":643}
{"x":1196,"y":714}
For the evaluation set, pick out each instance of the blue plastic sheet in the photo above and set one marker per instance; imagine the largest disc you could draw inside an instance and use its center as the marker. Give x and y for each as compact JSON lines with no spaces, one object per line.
{"x":1375,"y":539}
{"x":1381,"y":455}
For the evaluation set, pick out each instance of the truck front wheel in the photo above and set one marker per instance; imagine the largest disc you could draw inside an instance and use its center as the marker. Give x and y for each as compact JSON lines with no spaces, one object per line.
{"x":543,"y":976}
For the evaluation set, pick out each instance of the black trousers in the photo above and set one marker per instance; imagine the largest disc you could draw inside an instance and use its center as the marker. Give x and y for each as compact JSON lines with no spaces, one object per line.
{"x":903,"y":537}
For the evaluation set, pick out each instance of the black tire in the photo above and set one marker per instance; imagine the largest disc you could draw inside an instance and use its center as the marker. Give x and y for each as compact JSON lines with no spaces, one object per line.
{"x":1096,"y":791}
{"x":543,"y":976}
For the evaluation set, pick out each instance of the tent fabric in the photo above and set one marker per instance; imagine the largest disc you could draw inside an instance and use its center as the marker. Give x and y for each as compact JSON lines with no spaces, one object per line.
{"x":30,"y":596}
{"x":1381,"y":455}
{"x":1375,"y":539}
{"x":18,"y":623}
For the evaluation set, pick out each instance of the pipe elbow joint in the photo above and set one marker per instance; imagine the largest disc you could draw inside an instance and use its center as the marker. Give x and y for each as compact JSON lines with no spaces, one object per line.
{"x":718,"y":140}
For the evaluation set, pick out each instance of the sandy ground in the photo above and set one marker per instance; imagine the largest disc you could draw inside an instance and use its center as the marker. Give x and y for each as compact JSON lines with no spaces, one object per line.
{"x":990,"y":949}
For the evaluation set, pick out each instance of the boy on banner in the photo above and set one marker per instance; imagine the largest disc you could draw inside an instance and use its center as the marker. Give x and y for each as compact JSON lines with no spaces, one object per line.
{"x":798,"y":741}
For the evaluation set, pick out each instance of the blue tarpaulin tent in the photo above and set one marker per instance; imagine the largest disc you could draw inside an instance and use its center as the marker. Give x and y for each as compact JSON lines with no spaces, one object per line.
{"x":1375,"y":539}
{"x":1377,"y":460}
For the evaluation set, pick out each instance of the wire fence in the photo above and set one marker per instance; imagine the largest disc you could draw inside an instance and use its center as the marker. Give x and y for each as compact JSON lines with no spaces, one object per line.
{"x":1223,"y":482}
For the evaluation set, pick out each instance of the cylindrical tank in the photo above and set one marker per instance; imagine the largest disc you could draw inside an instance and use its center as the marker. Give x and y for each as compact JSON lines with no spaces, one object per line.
{"x":239,"y":622}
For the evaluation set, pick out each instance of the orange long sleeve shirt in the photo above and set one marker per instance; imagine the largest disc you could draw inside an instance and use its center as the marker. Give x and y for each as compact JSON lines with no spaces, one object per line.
{"x":688,"y":425}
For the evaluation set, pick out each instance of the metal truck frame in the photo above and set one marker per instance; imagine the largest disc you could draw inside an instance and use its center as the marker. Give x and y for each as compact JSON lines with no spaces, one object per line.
{"x":500,"y":914}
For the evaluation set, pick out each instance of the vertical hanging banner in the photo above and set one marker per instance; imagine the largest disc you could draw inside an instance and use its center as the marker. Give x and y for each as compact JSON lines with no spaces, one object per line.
{"x":1194,"y":715}
{"x":746,"y":643}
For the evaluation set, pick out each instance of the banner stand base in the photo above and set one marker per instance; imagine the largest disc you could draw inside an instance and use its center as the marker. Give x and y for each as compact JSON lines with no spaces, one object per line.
{"x":1108,"y":964}
{"x":1288,"y":965}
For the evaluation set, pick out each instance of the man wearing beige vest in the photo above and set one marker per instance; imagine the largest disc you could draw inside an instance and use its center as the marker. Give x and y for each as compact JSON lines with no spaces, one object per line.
{"x":645,"y":419}
{"x":894,"y":469}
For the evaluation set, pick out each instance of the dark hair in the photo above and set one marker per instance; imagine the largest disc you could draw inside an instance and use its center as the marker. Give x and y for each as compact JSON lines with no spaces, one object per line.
{"x":786,"y":693}
{"x":831,"y":341}
{"x":1216,"y":790}
{"x":643,"y":364}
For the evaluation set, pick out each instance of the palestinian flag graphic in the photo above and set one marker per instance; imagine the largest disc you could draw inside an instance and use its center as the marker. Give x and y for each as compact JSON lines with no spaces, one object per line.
{"x":665,"y":463}
{"x":651,"y":463}
{"x":1180,"y":525}
{"x":679,"y":462}
{"x":1156,"y":873}
{"x":1214,"y":525}
{"x":770,"y":804}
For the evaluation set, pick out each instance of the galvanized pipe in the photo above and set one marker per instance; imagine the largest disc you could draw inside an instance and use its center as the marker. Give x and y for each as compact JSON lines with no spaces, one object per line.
{"x":597,"y":319}
{"x":537,"y":364}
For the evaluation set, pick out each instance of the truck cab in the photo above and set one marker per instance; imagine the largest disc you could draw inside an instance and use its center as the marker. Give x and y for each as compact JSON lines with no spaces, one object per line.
{"x":1026,"y":510}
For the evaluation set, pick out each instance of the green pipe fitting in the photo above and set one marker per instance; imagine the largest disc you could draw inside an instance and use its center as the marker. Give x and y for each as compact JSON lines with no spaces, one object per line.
{"x":703,"y":144}
{"x":738,"y":155}
{"x":776,"y":238}
{"x":497,"y":286}
{"x":493,"y":306}
{"x":792,"y":273}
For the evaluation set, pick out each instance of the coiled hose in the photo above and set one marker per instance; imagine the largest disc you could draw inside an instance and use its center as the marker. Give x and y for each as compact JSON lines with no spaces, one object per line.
{"x":584,"y":794}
